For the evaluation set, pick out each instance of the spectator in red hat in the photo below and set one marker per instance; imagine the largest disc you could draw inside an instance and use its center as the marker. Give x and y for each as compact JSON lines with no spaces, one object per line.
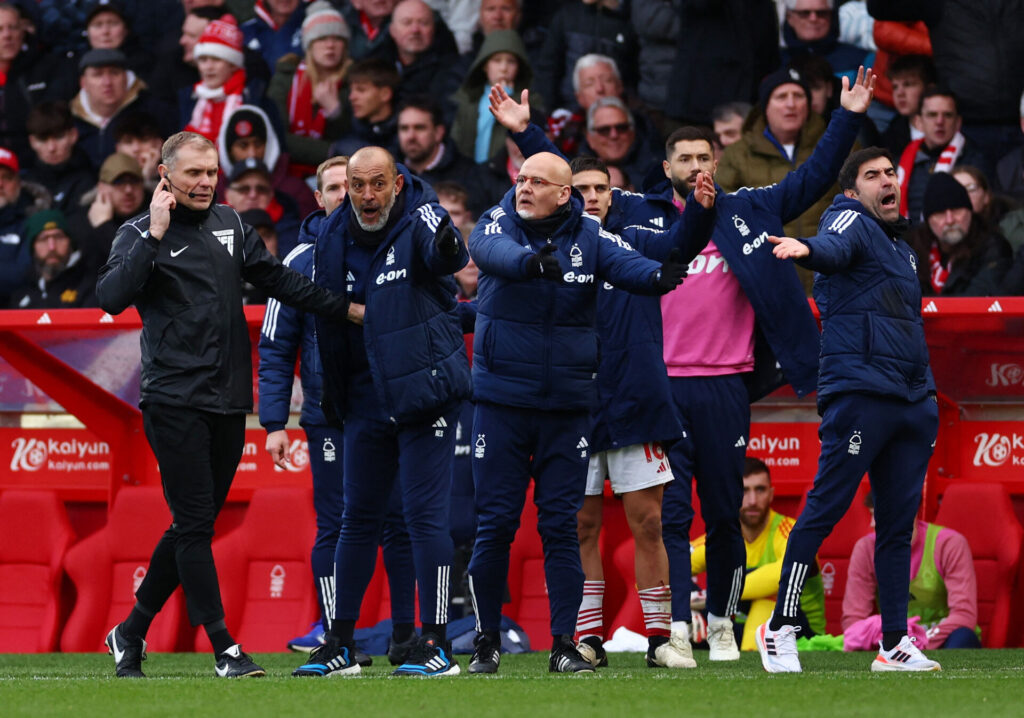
{"x":17,"y":201}
{"x":222,"y":83}
{"x":310,"y":92}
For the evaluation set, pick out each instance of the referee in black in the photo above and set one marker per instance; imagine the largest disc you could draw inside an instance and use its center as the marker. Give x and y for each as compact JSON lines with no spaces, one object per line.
{"x":182,"y":265}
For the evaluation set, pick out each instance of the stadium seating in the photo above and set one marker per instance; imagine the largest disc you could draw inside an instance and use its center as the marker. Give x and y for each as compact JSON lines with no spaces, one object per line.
{"x":108,"y":566}
{"x":984,"y":514}
{"x":834,"y":556}
{"x":36,"y":536}
{"x":263,"y":566}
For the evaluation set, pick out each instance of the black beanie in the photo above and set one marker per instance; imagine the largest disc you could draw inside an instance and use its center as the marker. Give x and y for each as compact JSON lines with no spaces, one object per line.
{"x":944,"y":192}
{"x":780,"y":77}
{"x":245,"y":123}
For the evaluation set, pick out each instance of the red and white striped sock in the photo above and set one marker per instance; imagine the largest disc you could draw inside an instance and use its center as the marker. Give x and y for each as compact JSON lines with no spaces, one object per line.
{"x":590,"y":619}
{"x":656,"y":603}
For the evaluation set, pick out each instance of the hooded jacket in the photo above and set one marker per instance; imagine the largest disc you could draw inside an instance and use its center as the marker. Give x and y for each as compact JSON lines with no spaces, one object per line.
{"x":67,"y":182}
{"x":274,"y":158}
{"x":411,"y":329}
{"x":187,"y":288}
{"x":467,"y":97}
{"x":95,"y":136}
{"x":287,"y":334}
{"x":869,"y":296}
{"x":536,"y":345}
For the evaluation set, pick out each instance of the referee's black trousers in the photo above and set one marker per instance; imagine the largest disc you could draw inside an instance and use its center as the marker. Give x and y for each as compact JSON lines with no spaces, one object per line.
{"x":198,"y":453}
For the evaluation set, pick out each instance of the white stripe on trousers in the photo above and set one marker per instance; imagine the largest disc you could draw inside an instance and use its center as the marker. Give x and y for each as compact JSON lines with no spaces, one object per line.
{"x":476,"y":611}
{"x":327,"y":591}
{"x":735,"y":591}
{"x":441,"y":612}
{"x":794,"y":589}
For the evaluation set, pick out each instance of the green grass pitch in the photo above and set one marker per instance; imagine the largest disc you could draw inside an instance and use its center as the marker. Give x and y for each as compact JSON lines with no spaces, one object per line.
{"x":982,"y":684}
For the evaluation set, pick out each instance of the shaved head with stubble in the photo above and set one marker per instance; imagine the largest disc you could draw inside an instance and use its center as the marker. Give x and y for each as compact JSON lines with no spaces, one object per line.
{"x":373,"y":186}
{"x":543,"y":185}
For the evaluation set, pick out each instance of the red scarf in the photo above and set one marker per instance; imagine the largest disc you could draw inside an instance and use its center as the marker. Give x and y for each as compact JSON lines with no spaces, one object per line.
{"x":368,"y":28}
{"x":938,"y":273}
{"x":303,"y":120}
{"x":212,"y":105}
{"x":947,"y":159}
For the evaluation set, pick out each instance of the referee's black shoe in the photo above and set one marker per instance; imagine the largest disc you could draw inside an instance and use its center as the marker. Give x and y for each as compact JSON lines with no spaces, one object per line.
{"x":234,"y":663}
{"x":398,"y":651}
{"x":128,"y":653}
{"x":486,"y":654}
{"x":565,"y":658}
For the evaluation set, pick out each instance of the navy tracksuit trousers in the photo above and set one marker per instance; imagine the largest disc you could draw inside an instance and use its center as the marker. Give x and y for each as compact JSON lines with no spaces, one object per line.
{"x":892,"y":440}
{"x":419,"y":457}
{"x":326,"y":454}
{"x":716,"y":417}
{"x":510,"y":445}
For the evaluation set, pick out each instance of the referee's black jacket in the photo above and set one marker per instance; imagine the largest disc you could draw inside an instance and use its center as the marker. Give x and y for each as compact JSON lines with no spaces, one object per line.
{"x":187,"y":288}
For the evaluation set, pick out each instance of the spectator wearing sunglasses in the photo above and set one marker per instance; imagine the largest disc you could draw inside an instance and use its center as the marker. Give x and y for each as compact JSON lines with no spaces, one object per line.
{"x":250,"y":187}
{"x":612,"y":137}
{"x":811,"y":27}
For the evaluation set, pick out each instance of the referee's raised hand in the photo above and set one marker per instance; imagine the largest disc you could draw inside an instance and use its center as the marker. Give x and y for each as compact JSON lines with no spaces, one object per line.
{"x":160,"y":208}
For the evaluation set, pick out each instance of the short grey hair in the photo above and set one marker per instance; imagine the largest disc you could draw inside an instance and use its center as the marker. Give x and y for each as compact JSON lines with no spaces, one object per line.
{"x":590,"y":60}
{"x":169,"y":151}
{"x":791,"y":4}
{"x":608,"y":102}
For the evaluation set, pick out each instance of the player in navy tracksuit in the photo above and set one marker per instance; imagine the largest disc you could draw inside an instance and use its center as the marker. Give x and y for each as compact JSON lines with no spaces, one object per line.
{"x":287,"y":334}
{"x":396,"y":373}
{"x":716,"y":409}
{"x":876,"y":397}
{"x":535,"y":361}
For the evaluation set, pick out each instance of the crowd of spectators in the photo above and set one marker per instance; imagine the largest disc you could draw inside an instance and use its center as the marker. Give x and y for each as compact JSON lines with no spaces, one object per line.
{"x":90,"y":88}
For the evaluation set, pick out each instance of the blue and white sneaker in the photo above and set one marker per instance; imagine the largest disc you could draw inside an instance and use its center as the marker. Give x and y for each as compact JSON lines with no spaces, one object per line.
{"x":330,"y":659}
{"x":316,"y":637}
{"x":429,"y":659}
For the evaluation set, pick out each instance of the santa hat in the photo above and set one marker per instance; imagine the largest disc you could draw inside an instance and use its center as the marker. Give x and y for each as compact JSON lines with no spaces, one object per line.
{"x":221,"y":38}
{"x":323,"y":20}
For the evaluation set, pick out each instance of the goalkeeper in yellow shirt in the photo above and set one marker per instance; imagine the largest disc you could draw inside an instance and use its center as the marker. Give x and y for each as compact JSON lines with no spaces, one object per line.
{"x":765,"y":534}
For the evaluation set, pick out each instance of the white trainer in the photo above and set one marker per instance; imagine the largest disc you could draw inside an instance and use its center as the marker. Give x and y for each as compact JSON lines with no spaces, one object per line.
{"x":722,"y":641}
{"x":676,"y":653}
{"x":778,"y":648}
{"x":906,"y":656}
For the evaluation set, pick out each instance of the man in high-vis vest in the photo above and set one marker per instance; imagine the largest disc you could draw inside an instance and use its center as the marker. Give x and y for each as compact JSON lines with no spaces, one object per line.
{"x":943,"y":586}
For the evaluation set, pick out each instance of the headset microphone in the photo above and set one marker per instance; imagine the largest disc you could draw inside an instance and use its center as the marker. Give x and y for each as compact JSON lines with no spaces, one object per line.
{"x":191,"y":195}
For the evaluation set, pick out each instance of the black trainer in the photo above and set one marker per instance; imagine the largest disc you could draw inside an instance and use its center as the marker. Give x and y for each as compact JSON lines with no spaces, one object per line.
{"x":592,"y":649}
{"x":398,"y":651}
{"x":330,"y":659}
{"x":565,"y":658}
{"x":430,"y":658}
{"x":363,"y":659}
{"x":486,"y":655}
{"x":235,"y":663}
{"x":128,"y":653}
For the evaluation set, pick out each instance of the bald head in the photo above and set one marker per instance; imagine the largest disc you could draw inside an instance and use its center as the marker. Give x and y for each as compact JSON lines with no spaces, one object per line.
{"x":543,"y":186}
{"x":373,"y":185}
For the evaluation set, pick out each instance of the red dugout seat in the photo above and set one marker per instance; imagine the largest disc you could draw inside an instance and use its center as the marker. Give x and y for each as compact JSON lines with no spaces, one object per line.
{"x":266,"y":582}
{"x":984,"y":514}
{"x":834,"y":555}
{"x":108,"y":566}
{"x":36,"y":537}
